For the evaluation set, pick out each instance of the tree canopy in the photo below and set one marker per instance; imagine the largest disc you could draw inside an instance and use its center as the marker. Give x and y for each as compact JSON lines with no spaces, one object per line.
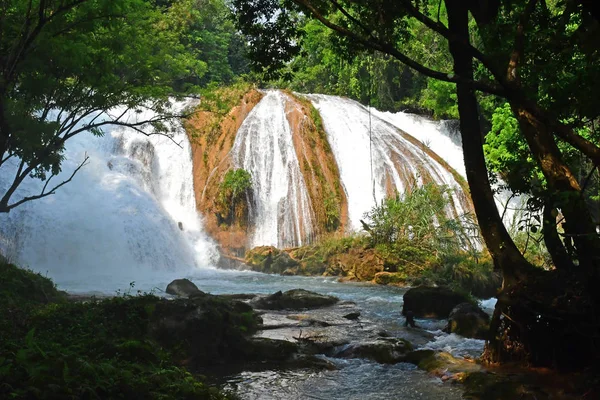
{"x":66,"y":65}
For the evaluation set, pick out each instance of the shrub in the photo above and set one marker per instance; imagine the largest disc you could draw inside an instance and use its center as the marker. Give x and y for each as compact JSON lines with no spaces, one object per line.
{"x":232,"y":199}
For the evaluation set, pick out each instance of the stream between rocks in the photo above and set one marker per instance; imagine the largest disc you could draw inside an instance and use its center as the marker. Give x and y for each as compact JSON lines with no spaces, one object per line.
{"x":345,"y":378}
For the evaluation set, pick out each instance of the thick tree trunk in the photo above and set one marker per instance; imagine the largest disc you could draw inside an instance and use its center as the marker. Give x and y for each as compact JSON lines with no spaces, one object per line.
{"x":555,"y":247}
{"x":505,"y":253}
{"x":566,"y":192}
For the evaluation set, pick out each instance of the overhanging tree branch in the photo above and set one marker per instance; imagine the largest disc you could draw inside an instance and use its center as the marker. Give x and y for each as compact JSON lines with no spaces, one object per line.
{"x":5,"y":207}
{"x":384,"y":47}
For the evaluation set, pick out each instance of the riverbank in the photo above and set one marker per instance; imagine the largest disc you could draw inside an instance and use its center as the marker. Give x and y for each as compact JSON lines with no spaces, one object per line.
{"x":355,"y":259}
{"x":342,"y":338}
{"x":120,"y":347}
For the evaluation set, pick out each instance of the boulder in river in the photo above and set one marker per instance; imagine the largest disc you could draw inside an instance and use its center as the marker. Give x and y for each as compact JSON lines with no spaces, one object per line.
{"x":383,"y":350}
{"x":431,"y":302}
{"x":183,"y":288}
{"x":468,"y":320}
{"x":265,"y":349}
{"x":271,"y":260}
{"x":295,"y":299}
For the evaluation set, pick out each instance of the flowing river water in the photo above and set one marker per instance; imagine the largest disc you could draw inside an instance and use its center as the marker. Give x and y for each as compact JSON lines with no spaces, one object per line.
{"x":380,"y":308}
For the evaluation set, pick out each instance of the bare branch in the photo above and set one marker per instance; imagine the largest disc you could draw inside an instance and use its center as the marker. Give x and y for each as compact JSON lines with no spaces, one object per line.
{"x":43,"y":193}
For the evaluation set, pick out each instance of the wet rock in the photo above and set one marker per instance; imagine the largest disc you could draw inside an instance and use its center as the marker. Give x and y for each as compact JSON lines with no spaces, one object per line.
{"x":295,"y":299}
{"x":271,"y":260}
{"x":356,"y":264}
{"x":311,"y":361}
{"x":418,"y":357}
{"x":265,"y":349}
{"x":382,"y":350}
{"x":441,"y":363}
{"x":237,"y":296}
{"x":431,"y":302}
{"x":352,"y":316}
{"x":183,"y":288}
{"x":390,"y":278}
{"x":319,"y":345}
{"x":468,"y":320}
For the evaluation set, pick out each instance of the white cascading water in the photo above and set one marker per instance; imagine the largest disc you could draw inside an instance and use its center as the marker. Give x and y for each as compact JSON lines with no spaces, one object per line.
{"x":443,"y":137}
{"x":281,"y":211}
{"x":363,"y":142}
{"x":119,"y":217}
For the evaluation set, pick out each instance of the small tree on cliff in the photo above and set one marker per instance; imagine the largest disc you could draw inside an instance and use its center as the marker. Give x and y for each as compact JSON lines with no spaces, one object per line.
{"x":234,"y":195}
{"x":65,"y":67}
{"x":517,"y":51}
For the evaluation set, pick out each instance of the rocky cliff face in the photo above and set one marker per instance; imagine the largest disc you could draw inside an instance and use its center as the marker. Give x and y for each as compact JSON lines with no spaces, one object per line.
{"x":212,"y":132}
{"x":318,"y":166}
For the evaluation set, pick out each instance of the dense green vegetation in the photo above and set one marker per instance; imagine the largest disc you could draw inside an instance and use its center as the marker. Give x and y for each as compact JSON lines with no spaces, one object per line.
{"x":422,"y":243}
{"x":52,"y":348}
{"x":235,"y":191}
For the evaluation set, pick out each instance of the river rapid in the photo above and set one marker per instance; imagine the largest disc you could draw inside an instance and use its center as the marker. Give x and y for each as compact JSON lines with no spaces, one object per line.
{"x":380,"y":308}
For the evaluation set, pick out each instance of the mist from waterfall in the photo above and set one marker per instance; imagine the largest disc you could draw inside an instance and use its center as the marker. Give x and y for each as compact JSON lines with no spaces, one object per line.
{"x":119,"y":218}
{"x":281,"y":211}
{"x":377,"y":158}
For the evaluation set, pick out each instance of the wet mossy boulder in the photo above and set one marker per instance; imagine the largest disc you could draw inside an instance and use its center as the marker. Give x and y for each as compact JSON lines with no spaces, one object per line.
{"x":360,"y":264}
{"x":271,"y":260}
{"x":265,"y":349}
{"x":183,"y":288}
{"x":468,"y":320}
{"x":432,"y":302}
{"x":295,"y":299}
{"x":390,"y":278}
{"x":383,"y":350}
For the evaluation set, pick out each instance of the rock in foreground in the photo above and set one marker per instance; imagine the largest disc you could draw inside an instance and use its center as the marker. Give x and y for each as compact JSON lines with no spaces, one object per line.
{"x":295,"y":299}
{"x":383,"y":350}
{"x":468,"y":320}
{"x":431,"y":302}
{"x":183,"y":288}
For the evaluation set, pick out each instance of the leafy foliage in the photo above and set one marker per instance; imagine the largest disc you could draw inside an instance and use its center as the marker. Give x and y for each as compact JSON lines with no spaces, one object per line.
{"x":99,"y":349}
{"x":232,"y":201}
{"x":68,"y":65}
{"x":416,"y":237}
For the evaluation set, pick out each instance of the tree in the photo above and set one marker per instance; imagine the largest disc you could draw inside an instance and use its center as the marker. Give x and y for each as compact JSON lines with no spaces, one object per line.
{"x":65,"y":67}
{"x":515,"y":51}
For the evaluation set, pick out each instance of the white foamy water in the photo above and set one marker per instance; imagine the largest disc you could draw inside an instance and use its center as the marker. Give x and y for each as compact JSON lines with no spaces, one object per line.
{"x":375,"y":157}
{"x":436,"y":135}
{"x":456,"y":345}
{"x":281,"y":212}
{"x":118,"y":219}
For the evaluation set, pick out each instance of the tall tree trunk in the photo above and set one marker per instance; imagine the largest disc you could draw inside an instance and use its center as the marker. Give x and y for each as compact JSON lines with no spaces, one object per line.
{"x":560,"y":257}
{"x":567,"y":193}
{"x":505,"y":253}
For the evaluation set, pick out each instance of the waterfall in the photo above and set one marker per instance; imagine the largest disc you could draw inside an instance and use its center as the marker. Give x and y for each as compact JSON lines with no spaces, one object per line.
{"x":281,"y":212}
{"x":119,"y":218}
{"x":364,"y":141}
{"x":443,"y":137}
